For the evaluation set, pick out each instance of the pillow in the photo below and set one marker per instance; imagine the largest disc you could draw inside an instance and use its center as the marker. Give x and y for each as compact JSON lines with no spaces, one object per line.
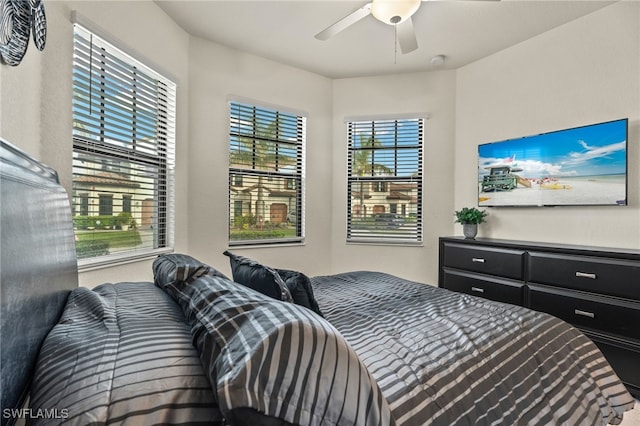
{"x":258,"y":277}
{"x":174,"y":267}
{"x":299,"y":286}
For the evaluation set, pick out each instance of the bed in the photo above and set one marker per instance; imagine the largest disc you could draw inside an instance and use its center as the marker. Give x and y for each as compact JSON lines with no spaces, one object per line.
{"x":268,"y":346}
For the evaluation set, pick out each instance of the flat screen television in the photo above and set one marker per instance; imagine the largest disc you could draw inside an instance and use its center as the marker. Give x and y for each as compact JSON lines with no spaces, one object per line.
{"x":582,"y":166}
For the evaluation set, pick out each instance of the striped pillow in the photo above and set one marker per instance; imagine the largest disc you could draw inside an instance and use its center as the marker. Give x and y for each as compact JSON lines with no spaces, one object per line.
{"x":176,"y":267}
{"x":275,"y":363}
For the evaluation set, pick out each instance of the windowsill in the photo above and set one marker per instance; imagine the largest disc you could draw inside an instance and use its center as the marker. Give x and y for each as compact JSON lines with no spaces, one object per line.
{"x":386,"y":243}
{"x":262,"y":246}
{"x":110,"y":261}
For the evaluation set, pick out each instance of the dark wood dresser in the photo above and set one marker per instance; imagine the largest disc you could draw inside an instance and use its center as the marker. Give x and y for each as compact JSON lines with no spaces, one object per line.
{"x":596,"y":289}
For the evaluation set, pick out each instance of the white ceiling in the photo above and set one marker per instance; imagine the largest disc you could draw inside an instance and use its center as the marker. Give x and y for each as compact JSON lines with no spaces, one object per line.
{"x":462,"y":30}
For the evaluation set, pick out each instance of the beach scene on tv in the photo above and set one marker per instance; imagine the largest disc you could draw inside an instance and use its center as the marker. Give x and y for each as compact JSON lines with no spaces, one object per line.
{"x":579,"y":166}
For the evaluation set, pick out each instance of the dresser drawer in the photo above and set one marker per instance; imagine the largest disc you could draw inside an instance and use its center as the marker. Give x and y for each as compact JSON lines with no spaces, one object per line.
{"x":599,"y":275}
{"x":609,"y":315}
{"x":497,"y":289}
{"x":487,"y":260}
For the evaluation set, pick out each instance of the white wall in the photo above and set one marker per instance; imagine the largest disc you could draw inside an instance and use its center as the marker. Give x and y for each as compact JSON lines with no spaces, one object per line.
{"x":215,"y":73}
{"x":586,"y":71}
{"x":430,"y":92}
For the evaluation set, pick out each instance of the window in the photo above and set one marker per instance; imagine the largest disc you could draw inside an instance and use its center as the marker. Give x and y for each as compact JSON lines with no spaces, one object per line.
{"x":266,"y":172}
{"x":384,"y":188}
{"x":126,"y":203}
{"x":105,"y":204}
{"x":83,"y":204}
{"x":123,"y":153}
{"x":237,"y":180}
{"x":291,"y":184}
{"x":379,"y":186}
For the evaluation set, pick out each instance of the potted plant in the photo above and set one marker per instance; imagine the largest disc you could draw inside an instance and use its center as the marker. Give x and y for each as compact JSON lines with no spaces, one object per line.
{"x":470,"y":218}
{"x":124,"y":220}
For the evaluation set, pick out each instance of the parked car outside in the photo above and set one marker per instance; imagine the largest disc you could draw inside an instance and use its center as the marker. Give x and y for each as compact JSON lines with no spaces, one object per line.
{"x":291,"y":217}
{"x":388,"y":220}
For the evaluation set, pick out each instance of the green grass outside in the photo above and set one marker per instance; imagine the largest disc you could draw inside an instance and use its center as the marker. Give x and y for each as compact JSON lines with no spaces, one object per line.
{"x":116,"y":239}
{"x":256,"y":234}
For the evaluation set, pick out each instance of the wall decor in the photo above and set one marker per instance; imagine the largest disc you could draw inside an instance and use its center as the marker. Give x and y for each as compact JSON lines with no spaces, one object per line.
{"x":18,"y":20}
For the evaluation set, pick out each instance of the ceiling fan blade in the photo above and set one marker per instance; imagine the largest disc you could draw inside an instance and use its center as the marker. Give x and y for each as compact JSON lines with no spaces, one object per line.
{"x":407,"y":36}
{"x":344,"y":22}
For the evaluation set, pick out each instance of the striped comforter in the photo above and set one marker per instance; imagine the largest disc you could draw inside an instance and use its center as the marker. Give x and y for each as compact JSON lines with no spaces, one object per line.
{"x":121,"y":354}
{"x":443,"y":358}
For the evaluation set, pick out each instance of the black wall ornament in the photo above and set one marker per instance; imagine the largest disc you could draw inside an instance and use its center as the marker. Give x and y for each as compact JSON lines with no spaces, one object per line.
{"x":18,"y":20}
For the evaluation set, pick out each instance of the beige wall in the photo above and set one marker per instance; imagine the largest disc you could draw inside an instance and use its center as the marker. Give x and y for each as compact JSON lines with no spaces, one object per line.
{"x":215,"y":74}
{"x":427,"y":92}
{"x":586,"y":71}
{"x":583,"y":72}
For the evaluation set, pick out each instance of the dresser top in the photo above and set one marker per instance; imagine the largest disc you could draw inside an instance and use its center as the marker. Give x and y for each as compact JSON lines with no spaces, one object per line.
{"x":622,"y":253}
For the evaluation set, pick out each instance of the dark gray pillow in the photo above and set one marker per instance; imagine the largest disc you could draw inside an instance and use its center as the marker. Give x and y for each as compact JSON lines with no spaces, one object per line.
{"x":299,"y":286}
{"x":258,"y":277}
{"x":175,"y":267}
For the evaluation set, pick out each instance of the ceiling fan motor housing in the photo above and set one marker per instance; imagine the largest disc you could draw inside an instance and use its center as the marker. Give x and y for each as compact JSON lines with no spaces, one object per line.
{"x":394,"y":12}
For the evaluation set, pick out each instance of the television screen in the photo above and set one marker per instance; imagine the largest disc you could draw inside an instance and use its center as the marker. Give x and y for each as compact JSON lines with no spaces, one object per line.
{"x":581,"y":166}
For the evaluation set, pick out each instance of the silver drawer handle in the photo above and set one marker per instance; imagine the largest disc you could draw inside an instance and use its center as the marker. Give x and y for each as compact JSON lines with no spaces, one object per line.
{"x":477,"y":259}
{"x":584,"y":313}
{"x":586,"y":275}
{"x":477,"y":289}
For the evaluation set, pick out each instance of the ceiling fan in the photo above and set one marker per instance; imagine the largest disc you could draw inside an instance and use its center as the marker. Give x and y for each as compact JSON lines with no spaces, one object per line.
{"x":397,"y":13}
{"x":392,"y":12}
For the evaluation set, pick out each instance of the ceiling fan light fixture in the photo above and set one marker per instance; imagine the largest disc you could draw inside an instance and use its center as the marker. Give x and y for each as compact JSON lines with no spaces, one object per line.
{"x":394,"y":12}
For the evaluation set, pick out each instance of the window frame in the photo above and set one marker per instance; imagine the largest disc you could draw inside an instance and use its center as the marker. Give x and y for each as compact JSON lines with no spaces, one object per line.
{"x":385,"y":220}
{"x":277,"y":176}
{"x":145,"y":157}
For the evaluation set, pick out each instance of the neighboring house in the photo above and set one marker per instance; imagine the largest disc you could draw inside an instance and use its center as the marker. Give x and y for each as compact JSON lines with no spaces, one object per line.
{"x":384,"y":197}
{"x":109,"y":193}
{"x":272,"y":199}
{"x":402,"y":199}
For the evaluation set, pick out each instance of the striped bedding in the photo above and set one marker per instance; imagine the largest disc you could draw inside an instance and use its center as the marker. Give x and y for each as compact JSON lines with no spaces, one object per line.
{"x":121,"y":354}
{"x":273,"y":362}
{"x":197,"y":348}
{"x":444,"y":358}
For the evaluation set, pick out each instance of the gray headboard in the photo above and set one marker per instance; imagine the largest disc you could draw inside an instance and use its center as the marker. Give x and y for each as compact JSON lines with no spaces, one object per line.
{"x":38,"y":266}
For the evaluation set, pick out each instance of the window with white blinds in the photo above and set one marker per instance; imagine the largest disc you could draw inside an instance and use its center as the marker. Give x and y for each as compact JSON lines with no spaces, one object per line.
{"x":384,"y":184}
{"x":266,"y":175}
{"x":123,"y":153}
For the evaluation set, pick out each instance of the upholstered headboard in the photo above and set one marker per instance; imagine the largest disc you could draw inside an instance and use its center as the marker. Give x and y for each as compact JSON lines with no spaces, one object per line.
{"x":38,"y":266}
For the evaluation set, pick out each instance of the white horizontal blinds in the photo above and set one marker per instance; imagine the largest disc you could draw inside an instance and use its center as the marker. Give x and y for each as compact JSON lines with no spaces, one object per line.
{"x":123,"y":151}
{"x":385,"y":181}
{"x":266,"y":170}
